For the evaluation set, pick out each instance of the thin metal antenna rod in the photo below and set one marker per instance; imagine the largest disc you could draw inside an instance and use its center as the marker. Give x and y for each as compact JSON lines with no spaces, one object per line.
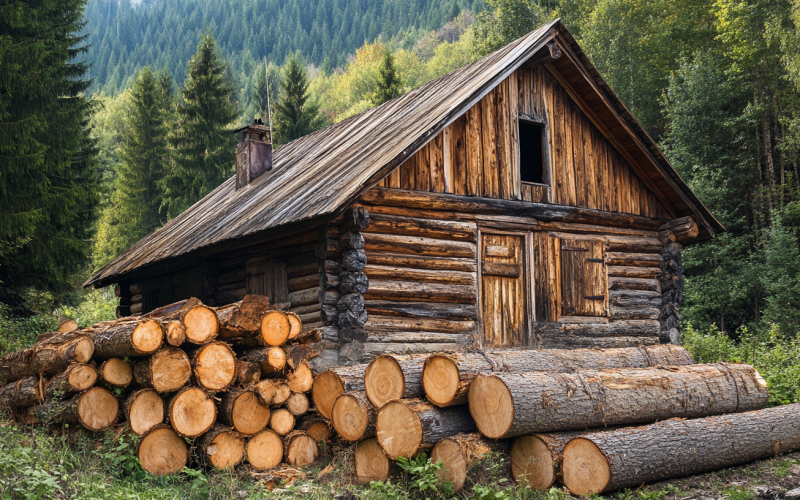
{"x":269,"y":108}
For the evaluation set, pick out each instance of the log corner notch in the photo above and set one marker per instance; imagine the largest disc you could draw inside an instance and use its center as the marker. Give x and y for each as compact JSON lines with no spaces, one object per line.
{"x":672,"y":234}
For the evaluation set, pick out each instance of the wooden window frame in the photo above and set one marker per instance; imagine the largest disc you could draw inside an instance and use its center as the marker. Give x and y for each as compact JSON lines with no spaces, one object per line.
{"x":547,"y":163}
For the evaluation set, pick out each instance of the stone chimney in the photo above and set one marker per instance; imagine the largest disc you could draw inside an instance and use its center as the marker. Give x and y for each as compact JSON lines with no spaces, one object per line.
{"x":253,"y":153}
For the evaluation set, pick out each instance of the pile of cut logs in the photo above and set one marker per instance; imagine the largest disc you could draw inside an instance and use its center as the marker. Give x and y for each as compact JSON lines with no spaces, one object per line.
{"x":565,"y":413}
{"x":232,"y":381}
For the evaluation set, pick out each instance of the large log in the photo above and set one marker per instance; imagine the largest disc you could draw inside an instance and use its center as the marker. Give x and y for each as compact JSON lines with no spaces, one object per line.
{"x":332,"y":383}
{"x":457,"y":454}
{"x":144,"y":410}
{"x":128,"y":339}
{"x":300,"y":449}
{"x":191,"y":412}
{"x":76,"y":378}
{"x":94,"y":409}
{"x":407,"y":427}
{"x":513,"y":404}
{"x":388,"y":378}
{"x":415,"y":245}
{"x":162,"y":451}
{"x":371,"y":463}
{"x":243,"y":317}
{"x":214,"y":366}
{"x":221,"y":447}
{"x":608,"y":461}
{"x":22,"y":393}
{"x":167,"y":370}
{"x":45,"y":359}
{"x":199,"y":322}
{"x":243,"y":411}
{"x":354,"y":416}
{"x":264,"y":450}
{"x":446,"y":377}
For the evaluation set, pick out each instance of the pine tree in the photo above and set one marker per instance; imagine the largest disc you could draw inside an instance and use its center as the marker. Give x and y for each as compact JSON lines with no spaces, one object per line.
{"x":47,"y":179}
{"x":204,"y":147}
{"x":389,"y":85}
{"x":295,"y":114}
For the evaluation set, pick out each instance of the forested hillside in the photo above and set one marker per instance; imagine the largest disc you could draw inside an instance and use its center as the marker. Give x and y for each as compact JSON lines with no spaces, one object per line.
{"x":127,"y":35}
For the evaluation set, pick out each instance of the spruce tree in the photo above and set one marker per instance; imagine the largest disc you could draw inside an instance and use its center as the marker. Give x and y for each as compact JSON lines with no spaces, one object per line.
{"x":388,"y":85}
{"x":295,"y":114}
{"x":47,"y":178}
{"x":204,"y":146}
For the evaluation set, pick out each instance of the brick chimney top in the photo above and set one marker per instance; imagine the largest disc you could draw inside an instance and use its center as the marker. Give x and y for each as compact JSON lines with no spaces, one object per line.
{"x":253,"y":152}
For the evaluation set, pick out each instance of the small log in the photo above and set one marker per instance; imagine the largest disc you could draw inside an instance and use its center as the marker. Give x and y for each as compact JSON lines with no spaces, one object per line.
{"x":536,"y":458}
{"x":129,"y":339}
{"x":649,"y":285}
{"x":271,"y":360}
{"x":115,"y":373}
{"x":265,"y":390}
{"x":301,"y":379}
{"x":95,"y":409}
{"x":67,"y":325}
{"x":304,"y":282}
{"x":78,"y":377}
{"x":295,"y":323}
{"x":297,"y":404}
{"x":304,"y":297}
{"x":247,"y":374}
{"x":417,"y":291}
{"x":633,"y":259}
{"x":45,"y":359}
{"x":222,"y":447}
{"x":685,"y":229}
{"x":298,"y":353}
{"x":332,"y":383}
{"x":446,"y":377}
{"x":144,"y":410}
{"x":214,"y":366}
{"x":200,"y":322}
{"x":243,"y":317}
{"x":608,"y":461}
{"x":162,"y":451}
{"x":191,"y":412}
{"x":282,"y":393}
{"x":513,"y":404}
{"x":135,"y":309}
{"x":167,"y":370}
{"x":457,"y":454}
{"x":354,"y":416}
{"x":275,"y":328}
{"x":242,"y":410}
{"x":388,"y":378}
{"x":406,"y":427}
{"x":300,"y":449}
{"x":281,"y":421}
{"x":264,"y":450}
{"x":175,"y":333}
{"x":22,"y":393}
{"x":371,"y":463}
{"x":318,"y":429}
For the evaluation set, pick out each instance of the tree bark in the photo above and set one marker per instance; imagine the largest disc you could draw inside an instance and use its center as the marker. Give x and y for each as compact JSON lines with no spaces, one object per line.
{"x":247,"y":374}
{"x":94,"y":409}
{"x":354,"y":416}
{"x":332,"y":383}
{"x":271,"y":360}
{"x":394,"y":377}
{"x":513,"y":404}
{"x":221,"y":447}
{"x":129,"y":339}
{"x":22,"y":393}
{"x":243,"y":317}
{"x":608,"y":461}
{"x":78,"y":377}
{"x":45,"y":359}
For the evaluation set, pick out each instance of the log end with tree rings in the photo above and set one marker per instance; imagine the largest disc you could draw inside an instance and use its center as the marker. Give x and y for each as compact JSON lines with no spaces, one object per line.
{"x":319,"y":431}
{"x":264,"y":450}
{"x":145,"y":410}
{"x":98,"y":408}
{"x":272,"y":361}
{"x":384,"y":380}
{"x":275,"y":328}
{"x":585,"y":469}
{"x":281,"y":421}
{"x":215,"y":366}
{"x":300,"y":449}
{"x":282,"y":393}
{"x":398,"y":430}
{"x":116,"y":372}
{"x":175,"y":333}
{"x":222,"y":447}
{"x":67,"y":326}
{"x":327,"y":387}
{"x":201,"y":325}
{"x":170,"y":369}
{"x":192,"y":412}
{"x":351,"y":417}
{"x":455,"y":466}
{"x":248,"y":414}
{"x":295,"y":325}
{"x":81,"y":376}
{"x":440,"y":379}
{"x":265,"y":390}
{"x":84,"y":348}
{"x":532,"y":463}
{"x":371,"y":463}
{"x":491,"y":406}
{"x":297,"y":404}
{"x":163,"y":452}
{"x":147,"y":337}
{"x":301,"y":379}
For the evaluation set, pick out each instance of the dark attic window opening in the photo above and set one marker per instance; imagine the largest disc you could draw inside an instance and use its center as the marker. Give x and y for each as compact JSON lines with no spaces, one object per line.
{"x":531,"y":152}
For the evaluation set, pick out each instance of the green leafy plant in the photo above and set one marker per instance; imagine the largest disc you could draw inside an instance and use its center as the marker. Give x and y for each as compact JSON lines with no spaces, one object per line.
{"x":423,"y":476}
{"x":121,"y":455}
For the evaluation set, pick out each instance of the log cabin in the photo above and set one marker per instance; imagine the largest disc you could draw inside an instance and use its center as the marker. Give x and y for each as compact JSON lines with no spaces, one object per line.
{"x":514,"y":202}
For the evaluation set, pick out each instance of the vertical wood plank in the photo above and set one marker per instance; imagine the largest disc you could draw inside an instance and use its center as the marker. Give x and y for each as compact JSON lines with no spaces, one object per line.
{"x":555,"y":118}
{"x":541,"y":257}
{"x":581,"y":187}
{"x":424,"y":168}
{"x":488,"y":124}
{"x":588,"y":160}
{"x":504,"y":163}
{"x":569,"y":160}
{"x":553,"y":275}
{"x":447,"y":164}
{"x":513,"y":139}
{"x":436,"y":163}
{"x":458,"y":154}
{"x":474,"y":151}
{"x":394,"y":178}
{"x":407,"y":173}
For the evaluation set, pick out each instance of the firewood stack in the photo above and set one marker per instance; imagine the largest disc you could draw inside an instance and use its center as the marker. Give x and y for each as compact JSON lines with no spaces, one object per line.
{"x":232,"y":381}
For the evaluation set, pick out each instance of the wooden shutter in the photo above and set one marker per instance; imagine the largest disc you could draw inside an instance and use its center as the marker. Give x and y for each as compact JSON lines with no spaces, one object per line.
{"x":583,"y":278}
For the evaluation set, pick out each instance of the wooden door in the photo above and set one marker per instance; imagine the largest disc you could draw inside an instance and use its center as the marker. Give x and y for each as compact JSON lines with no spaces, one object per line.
{"x":583,"y":278}
{"x":503,"y":294}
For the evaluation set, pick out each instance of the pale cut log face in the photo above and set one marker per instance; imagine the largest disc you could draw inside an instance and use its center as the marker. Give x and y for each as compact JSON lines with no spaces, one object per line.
{"x":302,"y":451}
{"x":349,"y":419}
{"x":319,"y":431}
{"x":215,"y":367}
{"x":384,"y":381}
{"x":275,"y":328}
{"x":266,"y":391}
{"x":171,"y":370}
{"x":226,"y":450}
{"x":192,"y":412}
{"x":282,"y":421}
{"x":371,"y":462}
{"x":282,"y":393}
{"x":163,"y":452}
{"x":276,"y":358}
{"x":98,"y":408}
{"x":264,"y":450}
{"x":440,"y":380}
{"x":117,"y":372}
{"x":201,"y":325}
{"x":399,"y":430}
{"x":296,"y":326}
{"x":297,"y":404}
{"x":249,"y":414}
{"x":145,"y":411}
{"x":327,"y":387}
{"x":532,"y":464}
{"x":301,"y":379}
{"x":491,"y":405}
{"x":585,"y":469}
{"x":176,"y":333}
{"x":147,"y":336}
{"x":82,"y":377}
{"x":455,"y":467}
{"x":84,"y":349}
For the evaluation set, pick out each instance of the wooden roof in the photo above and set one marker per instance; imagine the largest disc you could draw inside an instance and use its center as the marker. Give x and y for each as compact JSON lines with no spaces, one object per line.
{"x":321,"y":174}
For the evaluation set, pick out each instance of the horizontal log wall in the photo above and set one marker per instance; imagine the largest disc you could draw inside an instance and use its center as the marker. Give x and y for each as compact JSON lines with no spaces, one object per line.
{"x":477,"y":154}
